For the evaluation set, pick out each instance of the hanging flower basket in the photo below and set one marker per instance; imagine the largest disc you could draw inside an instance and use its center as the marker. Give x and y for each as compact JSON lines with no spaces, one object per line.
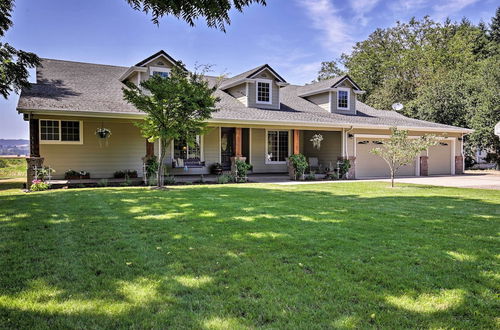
{"x":316,"y":140}
{"x":103,"y":133}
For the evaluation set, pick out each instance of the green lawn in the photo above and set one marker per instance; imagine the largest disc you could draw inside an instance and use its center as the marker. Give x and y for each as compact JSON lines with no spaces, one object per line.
{"x":12,"y":168}
{"x":246,"y":256}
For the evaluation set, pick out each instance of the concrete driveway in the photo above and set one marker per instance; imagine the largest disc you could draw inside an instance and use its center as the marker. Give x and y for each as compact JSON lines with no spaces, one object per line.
{"x":481,"y":180}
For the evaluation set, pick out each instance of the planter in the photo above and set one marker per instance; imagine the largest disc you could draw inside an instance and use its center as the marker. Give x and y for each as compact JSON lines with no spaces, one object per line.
{"x":77,"y":177}
{"x":103,"y":135}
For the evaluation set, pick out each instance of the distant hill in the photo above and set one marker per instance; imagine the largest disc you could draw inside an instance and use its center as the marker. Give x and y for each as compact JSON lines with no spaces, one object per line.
{"x":14,"y":147}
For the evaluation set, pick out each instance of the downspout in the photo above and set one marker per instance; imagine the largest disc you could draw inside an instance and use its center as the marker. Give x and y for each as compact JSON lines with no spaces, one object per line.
{"x":346,"y":136}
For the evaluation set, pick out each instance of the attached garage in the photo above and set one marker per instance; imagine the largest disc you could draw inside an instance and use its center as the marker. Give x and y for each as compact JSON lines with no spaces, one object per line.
{"x":439,"y":162}
{"x":369,"y":165}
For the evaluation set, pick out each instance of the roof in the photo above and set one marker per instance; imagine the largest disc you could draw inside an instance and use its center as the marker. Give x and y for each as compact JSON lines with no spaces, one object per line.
{"x":249,"y":74}
{"x":86,"y":88}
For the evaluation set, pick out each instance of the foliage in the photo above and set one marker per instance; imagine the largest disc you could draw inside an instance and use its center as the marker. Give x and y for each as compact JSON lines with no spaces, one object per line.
{"x":176,"y":107}
{"x":226,"y":256}
{"x":442,"y":72}
{"x":103,"y":183}
{"x":242,"y":169}
{"x":225,"y":178}
{"x":12,"y":168}
{"x":344,"y":167}
{"x":152,"y":167}
{"x":299,"y":163}
{"x":169,"y":179}
{"x":39,"y":185}
{"x":215,"y":12}
{"x":400,"y":150}
{"x":311,"y":176}
{"x":44,"y":172}
{"x":78,"y":174}
{"x":329,"y":70}
{"x":215,"y":168}
{"x":125,"y":174}
{"x":14,"y":63}
{"x":332,"y":176}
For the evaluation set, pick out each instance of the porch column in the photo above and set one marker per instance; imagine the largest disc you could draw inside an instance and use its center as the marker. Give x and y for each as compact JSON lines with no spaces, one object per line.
{"x":238,"y":137}
{"x":296,"y":141}
{"x":424,"y":167}
{"x":34,"y":160}
{"x":150,"y":149}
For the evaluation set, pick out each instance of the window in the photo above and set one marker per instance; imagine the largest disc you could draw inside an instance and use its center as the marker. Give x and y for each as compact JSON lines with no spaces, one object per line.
{"x":184,"y":151}
{"x":343,"y":99}
{"x":60,"y":131}
{"x":277,"y":147}
{"x":264,"y":92}
{"x":162,"y":72}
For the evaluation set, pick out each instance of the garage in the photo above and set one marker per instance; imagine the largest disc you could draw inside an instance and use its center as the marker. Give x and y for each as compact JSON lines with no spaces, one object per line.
{"x":369,"y":165}
{"x":439,"y":162}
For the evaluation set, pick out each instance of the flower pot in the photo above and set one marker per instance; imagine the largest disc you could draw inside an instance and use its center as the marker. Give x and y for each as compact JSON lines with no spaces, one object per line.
{"x":103,"y":134}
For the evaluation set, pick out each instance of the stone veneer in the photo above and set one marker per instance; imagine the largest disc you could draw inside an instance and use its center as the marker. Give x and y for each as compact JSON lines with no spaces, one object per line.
{"x":30,"y":172}
{"x":459,"y":164}
{"x":424,"y":166}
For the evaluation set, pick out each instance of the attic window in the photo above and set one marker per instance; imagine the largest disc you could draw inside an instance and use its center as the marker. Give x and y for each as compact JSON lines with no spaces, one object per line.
{"x":343,"y":98}
{"x":162,"y":72}
{"x":264,"y":91}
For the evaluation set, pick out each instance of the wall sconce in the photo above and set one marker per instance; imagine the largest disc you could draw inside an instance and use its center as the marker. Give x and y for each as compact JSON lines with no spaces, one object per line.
{"x":460,"y":139}
{"x":350,"y":136}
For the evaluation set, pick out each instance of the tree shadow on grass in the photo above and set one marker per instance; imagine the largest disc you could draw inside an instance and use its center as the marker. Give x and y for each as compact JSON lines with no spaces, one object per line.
{"x":244,"y":256}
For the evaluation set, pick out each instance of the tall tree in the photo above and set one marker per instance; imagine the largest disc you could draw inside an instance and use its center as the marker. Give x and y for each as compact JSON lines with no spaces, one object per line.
{"x":215,"y":12}
{"x":400,"y":150}
{"x":176,"y":107}
{"x":495,"y":26}
{"x":329,"y":70}
{"x":14,"y":64}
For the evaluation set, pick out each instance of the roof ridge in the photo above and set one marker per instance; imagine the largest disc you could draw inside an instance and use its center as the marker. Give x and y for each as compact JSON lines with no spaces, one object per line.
{"x":81,"y":62}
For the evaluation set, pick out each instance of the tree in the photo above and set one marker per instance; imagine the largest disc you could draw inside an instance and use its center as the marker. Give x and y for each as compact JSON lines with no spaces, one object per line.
{"x":495,"y":26}
{"x":176,"y":107}
{"x":14,"y":63}
{"x":329,"y":70}
{"x":215,"y":12}
{"x":400,"y":150}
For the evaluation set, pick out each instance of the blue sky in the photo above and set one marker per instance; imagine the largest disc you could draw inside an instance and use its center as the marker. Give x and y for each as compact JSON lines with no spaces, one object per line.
{"x":293,"y":36}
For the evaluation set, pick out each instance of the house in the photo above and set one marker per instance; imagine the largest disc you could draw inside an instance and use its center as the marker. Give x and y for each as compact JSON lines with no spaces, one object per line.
{"x":261,"y":117}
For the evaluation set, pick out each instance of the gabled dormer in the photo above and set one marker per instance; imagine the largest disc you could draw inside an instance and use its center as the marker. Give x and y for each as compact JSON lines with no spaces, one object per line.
{"x":336,"y":95}
{"x":256,"y":88}
{"x":159,"y":63}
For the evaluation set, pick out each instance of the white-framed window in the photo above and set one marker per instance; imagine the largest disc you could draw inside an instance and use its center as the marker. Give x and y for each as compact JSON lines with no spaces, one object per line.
{"x":277,"y":146}
{"x":343,"y":98}
{"x":155,"y":70}
{"x":264,"y":91}
{"x":54,"y":131}
{"x":181,"y":150}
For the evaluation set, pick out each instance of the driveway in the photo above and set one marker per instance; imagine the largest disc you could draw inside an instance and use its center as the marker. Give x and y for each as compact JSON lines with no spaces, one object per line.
{"x":481,"y":180}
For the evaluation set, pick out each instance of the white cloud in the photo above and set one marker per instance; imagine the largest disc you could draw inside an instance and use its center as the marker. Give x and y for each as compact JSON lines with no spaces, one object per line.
{"x":449,"y":7}
{"x":361,"y":8}
{"x":325,"y":18}
{"x":437,"y":9}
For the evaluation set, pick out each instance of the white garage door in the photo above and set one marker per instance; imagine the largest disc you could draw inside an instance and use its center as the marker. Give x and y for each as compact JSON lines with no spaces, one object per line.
{"x":369,"y":165}
{"x":439,"y":161}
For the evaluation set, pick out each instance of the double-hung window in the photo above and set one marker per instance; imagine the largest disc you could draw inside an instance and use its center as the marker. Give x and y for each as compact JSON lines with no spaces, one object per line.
{"x":60,"y":131}
{"x":158,"y":71}
{"x":277,"y":147}
{"x":343,"y":98}
{"x":264,"y":91}
{"x":184,"y":151}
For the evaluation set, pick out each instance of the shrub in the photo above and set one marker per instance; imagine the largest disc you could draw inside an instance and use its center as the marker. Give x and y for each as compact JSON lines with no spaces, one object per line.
{"x":39,"y":185}
{"x":344,"y":167}
{"x":152,"y":167}
{"x":125,"y":174}
{"x":242,"y":169}
{"x":299,"y":163}
{"x":103,"y":183}
{"x":3,"y":163}
{"x":169,"y":179}
{"x":311,"y":176}
{"x":225,"y":178}
{"x":72,"y":174}
{"x":332,"y":176}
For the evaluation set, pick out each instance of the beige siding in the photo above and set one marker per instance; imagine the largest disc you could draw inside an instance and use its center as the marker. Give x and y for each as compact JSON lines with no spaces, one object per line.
{"x":439,"y":162}
{"x":330,"y":147}
{"x":252,"y":96}
{"x":352,"y":99}
{"x":258,"y":153}
{"x":124,"y":150}
{"x":211,"y":146}
{"x":323,"y":100}
{"x":239,"y":92}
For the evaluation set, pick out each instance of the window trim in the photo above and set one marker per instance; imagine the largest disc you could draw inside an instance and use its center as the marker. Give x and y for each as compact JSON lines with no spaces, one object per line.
{"x":152,"y":69}
{"x":202,"y":154}
{"x":60,"y":132}
{"x":267,"y":81}
{"x":348,"y":90}
{"x":277,"y":162}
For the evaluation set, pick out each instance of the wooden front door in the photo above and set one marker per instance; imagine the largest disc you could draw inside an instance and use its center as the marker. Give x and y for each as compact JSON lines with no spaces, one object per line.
{"x":226,"y":147}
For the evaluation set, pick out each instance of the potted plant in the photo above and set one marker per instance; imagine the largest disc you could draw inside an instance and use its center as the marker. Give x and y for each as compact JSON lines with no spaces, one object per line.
{"x":297,"y":165}
{"x":103,"y":133}
{"x":216,"y":168}
{"x":76,"y":175}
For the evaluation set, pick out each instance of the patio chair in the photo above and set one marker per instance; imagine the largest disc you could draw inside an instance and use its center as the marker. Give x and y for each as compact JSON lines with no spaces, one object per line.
{"x":313,"y":163}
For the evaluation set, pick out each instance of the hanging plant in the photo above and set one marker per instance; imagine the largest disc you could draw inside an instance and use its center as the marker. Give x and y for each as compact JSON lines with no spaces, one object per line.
{"x":316,"y":140}
{"x":103,"y":133}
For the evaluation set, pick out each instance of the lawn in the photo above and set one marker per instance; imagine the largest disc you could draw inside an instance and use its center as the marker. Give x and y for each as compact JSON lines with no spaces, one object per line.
{"x":12,"y":168}
{"x":344,"y":255}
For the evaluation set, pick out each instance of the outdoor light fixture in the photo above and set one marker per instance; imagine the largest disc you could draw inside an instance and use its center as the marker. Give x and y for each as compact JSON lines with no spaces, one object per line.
{"x":350,"y":136}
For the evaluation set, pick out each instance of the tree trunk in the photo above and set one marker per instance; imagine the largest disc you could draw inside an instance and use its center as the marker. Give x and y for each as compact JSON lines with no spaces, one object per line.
{"x":392,"y":178}
{"x":161,"y":157}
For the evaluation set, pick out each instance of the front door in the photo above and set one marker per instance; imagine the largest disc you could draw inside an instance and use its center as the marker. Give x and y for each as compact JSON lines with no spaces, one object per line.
{"x":226,"y":147}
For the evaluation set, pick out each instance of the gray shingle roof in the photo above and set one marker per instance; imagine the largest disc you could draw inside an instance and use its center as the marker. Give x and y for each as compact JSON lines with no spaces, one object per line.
{"x":85,"y":87}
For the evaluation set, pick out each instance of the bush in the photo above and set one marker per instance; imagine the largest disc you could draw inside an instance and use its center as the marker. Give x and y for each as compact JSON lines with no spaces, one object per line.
{"x":299,"y":163}
{"x":225,"y":178}
{"x":344,"y":167}
{"x":72,"y":174}
{"x":39,"y":185}
{"x":242,"y":169}
{"x":169,"y":179}
{"x":3,"y":163}
{"x":103,"y":183}
{"x":125,"y":174}
{"x":152,"y":167}
{"x":216,"y":168}
{"x":311,"y":176}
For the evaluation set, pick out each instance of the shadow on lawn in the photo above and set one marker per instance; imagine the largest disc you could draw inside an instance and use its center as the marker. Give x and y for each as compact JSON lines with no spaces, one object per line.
{"x":238,"y":256}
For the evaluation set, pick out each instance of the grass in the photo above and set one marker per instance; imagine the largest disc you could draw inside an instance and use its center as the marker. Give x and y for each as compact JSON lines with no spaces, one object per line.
{"x":345,"y":255}
{"x":12,"y":168}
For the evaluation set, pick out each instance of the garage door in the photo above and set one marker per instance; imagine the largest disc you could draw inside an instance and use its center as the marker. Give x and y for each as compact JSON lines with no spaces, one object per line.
{"x":369,"y":165}
{"x":439,"y":161}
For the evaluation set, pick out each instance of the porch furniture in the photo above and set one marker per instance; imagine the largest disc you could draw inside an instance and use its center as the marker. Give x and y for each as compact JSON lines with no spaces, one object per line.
{"x":313,"y":163}
{"x":190,"y":163}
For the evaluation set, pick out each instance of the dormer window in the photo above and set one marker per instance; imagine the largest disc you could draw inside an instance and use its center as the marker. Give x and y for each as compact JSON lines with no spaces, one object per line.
{"x":264,"y":91}
{"x":162,"y":72}
{"x":343,"y":98}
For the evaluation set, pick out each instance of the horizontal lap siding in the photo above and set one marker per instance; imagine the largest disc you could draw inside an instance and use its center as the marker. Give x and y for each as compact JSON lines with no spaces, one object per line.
{"x":331,"y":147}
{"x":125,"y":150}
{"x":258,"y":151}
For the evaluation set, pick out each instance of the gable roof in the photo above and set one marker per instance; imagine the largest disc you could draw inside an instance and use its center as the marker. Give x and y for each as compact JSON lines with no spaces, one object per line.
{"x":324,"y":85}
{"x":249,"y":75}
{"x":158,"y":54}
{"x":95,"y":90}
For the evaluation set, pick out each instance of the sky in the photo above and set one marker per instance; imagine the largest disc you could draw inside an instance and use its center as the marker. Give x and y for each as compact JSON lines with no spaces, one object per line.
{"x":293,"y":36}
